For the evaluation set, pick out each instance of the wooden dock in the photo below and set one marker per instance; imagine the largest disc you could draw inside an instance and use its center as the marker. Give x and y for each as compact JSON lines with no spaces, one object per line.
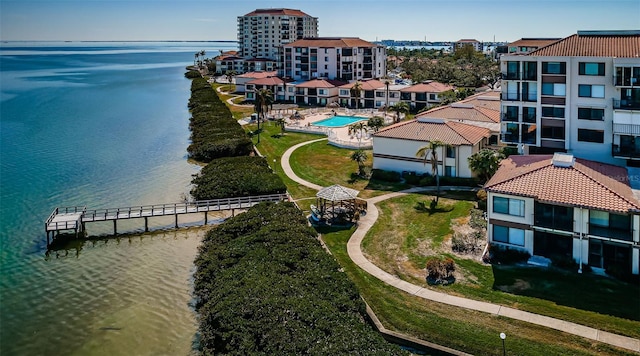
{"x":75,"y":218}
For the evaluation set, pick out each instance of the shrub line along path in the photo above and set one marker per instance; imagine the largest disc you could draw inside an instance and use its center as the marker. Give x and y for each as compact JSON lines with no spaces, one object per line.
{"x":355,"y":253}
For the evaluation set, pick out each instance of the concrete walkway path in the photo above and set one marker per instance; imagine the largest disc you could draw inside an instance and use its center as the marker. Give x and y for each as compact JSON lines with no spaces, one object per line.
{"x":355,"y":253}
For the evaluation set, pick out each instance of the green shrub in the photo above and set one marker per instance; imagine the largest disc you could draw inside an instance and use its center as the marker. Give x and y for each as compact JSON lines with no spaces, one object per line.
{"x":440,"y":271}
{"x":412,"y":178}
{"x":265,"y":286}
{"x":564,"y":262}
{"x":385,"y":176}
{"x":192,"y":74}
{"x":236,"y":177}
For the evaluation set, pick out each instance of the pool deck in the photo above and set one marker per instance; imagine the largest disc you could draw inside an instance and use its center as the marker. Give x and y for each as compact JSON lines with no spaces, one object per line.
{"x":337,"y":134}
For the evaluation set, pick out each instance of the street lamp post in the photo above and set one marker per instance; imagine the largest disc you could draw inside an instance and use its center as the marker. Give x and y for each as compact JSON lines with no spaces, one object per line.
{"x":504,"y":350}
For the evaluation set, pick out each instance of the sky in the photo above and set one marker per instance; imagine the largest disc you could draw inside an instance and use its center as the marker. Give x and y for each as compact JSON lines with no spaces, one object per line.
{"x":433,"y":20}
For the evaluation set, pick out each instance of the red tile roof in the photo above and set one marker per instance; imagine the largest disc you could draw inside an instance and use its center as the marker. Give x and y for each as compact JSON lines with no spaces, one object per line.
{"x":320,"y":83}
{"x":428,"y":87}
{"x":533,"y":42}
{"x":270,"y":81}
{"x":331,"y":42}
{"x":287,"y":12}
{"x":371,"y":84}
{"x":258,"y":75}
{"x":594,"y":45}
{"x":587,"y":184}
{"x":449,"y":132}
{"x":482,"y":107}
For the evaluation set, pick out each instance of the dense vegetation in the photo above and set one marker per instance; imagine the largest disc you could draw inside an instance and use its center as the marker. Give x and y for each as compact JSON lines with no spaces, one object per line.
{"x":236,"y":177}
{"x":265,"y":286}
{"x":463,"y":68}
{"x":214,"y":132}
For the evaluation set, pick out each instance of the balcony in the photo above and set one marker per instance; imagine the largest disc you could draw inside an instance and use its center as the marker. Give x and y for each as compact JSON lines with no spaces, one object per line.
{"x":626,"y":104}
{"x":626,"y":129}
{"x":625,"y":151}
{"x":511,"y":75}
{"x":510,"y":96}
{"x":618,"y":234}
{"x":625,"y":81}
{"x":556,"y":222}
{"x":509,"y":137}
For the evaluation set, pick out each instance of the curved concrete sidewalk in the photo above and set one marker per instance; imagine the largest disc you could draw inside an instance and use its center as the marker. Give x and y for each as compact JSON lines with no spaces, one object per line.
{"x":355,"y":253}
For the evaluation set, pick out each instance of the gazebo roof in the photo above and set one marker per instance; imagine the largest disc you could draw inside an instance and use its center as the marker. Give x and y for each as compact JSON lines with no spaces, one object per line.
{"x":337,"y":193}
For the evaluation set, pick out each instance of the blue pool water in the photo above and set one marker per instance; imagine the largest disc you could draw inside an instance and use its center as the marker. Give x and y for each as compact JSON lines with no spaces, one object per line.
{"x":339,"y":121}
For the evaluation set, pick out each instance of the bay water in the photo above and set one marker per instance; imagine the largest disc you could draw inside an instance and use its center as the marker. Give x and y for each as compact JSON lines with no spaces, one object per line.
{"x":101,"y":125}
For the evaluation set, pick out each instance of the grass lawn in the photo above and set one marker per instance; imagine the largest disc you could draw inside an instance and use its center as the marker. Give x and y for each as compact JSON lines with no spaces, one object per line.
{"x":333,"y":165}
{"x":462,"y":329}
{"x":403,"y":237}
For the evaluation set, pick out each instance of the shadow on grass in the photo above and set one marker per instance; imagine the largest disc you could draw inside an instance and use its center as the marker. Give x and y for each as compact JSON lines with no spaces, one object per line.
{"x":432,"y":208}
{"x":277,"y":136}
{"x":585,"y":291}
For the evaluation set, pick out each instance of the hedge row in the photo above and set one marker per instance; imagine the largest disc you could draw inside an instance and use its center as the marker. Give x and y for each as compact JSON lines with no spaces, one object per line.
{"x":214,"y":132}
{"x":236,"y":177}
{"x":265,"y":286}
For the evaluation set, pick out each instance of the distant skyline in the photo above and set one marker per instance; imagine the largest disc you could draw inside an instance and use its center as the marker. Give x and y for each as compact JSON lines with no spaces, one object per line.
{"x":433,"y":20}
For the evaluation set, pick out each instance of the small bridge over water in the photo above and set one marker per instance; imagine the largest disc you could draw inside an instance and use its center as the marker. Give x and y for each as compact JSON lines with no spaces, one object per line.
{"x":75,"y":218}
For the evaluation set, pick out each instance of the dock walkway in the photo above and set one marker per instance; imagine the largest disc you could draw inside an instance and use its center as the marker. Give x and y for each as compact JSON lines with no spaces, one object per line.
{"x":75,"y":218}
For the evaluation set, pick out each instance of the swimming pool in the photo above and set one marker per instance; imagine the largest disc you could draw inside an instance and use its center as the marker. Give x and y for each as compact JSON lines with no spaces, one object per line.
{"x":339,"y":121}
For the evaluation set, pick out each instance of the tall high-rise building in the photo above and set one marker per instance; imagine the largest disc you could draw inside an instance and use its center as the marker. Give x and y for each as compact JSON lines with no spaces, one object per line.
{"x":262,"y":31}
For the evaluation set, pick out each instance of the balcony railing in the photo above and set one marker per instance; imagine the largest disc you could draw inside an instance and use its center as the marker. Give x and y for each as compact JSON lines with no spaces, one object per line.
{"x":511,"y":75}
{"x":626,"y":104}
{"x":510,"y":96}
{"x":626,"y":129}
{"x":625,"y":151}
{"x":510,"y":118}
{"x":555,"y":222}
{"x":509,"y":137}
{"x":618,"y":234}
{"x":625,"y":81}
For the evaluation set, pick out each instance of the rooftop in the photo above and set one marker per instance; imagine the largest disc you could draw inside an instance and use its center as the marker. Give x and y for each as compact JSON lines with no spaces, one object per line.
{"x":320,"y":83}
{"x":269,"y":81}
{"x":625,"y":44}
{"x":482,"y":107}
{"x":533,"y":42}
{"x":285,"y":12}
{"x":331,"y":42}
{"x":449,"y":132}
{"x":257,"y":75}
{"x":428,"y":87}
{"x":566,"y":181}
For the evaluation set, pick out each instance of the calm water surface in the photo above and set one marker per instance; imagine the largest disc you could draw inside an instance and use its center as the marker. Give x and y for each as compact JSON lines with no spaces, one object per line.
{"x":102,"y":125}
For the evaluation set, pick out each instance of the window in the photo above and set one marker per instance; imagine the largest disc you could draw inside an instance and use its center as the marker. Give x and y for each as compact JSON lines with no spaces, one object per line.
{"x":344,"y":92}
{"x":590,"y":91}
{"x":556,"y":133}
{"x":380,"y":94}
{"x":530,"y":91}
{"x":555,"y":89}
{"x":602,"y":223}
{"x":590,"y":114}
{"x":508,"y":235}
{"x":528,"y":114}
{"x":432,"y":97}
{"x":508,"y":206}
{"x":552,"y":112}
{"x":322,"y":91}
{"x":530,"y":70}
{"x":586,"y":68}
{"x":586,"y":135}
{"x":450,"y":171}
{"x":554,"y":68}
{"x":451,"y":152}
{"x":510,"y":113}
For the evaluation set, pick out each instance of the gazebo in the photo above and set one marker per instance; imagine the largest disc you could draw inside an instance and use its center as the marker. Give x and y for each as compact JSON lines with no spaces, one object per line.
{"x":337,"y":202}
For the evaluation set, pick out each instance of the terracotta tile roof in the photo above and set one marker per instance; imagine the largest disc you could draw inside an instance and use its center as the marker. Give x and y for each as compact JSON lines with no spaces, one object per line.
{"x":258,"y":75}
{"x":287,"y":12}
{"x":588,"y":45}
{"x":320,"y":83}
{"x":587,"y":184}
{"x":427,"y":87}
{"x":331,"y":42}
{"x":482,"y":107}
{"x":450,"y":132}
{"x":371,"y":84}
{"x":533,"y":42}
{"x":270,"y":81}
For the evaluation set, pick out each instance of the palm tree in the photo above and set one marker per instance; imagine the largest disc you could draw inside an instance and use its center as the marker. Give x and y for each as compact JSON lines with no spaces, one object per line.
{"x":230,"y":74}
{"x":375,"y":123}
{"x":485,"y":163}
{"x":356,"y":89}
{"x":387,"y":82}
{"x":400,"y":108}
{"x":429,"y":154}
{"x":360,"y":157}
{"x":263,"y":103}
{"x":195,"y":58}
{"x":357,"y":127}
{"x":281,"y":123}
